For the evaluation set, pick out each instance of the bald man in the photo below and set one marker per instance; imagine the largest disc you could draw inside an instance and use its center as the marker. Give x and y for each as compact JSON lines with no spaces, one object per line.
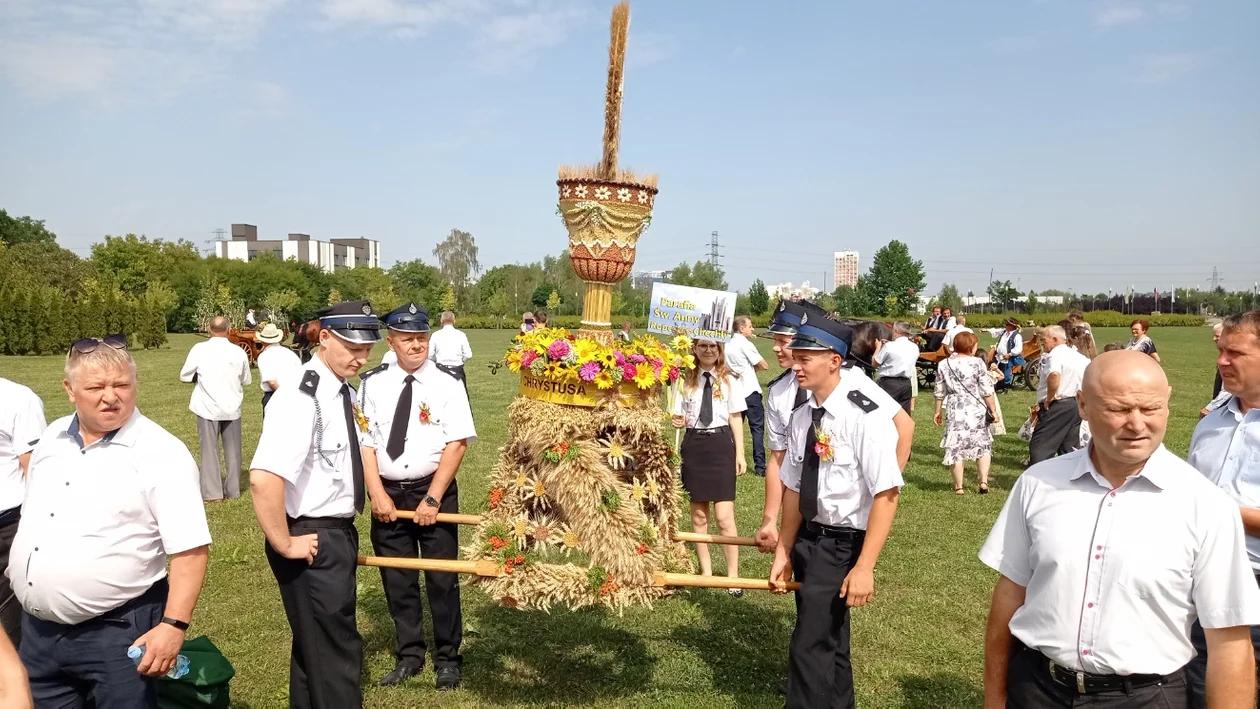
{"x":1108,"y":555}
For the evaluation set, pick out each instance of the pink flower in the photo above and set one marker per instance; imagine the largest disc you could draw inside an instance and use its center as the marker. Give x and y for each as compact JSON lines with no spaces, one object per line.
{"x":588,"y":371}
{"x":620,"y":358}
{"x":637,"y":358}
{"x":528,"y":357}
{"x":673,"y":374}
{"x":628,"y":371}
{"x":558,"y":349}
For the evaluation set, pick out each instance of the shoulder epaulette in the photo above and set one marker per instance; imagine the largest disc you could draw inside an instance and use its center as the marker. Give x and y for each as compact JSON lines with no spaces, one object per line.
{"x":776,"y":380}
{"x":862,"y":401}
{"x":374,"y":370}
{"x":310,"y":383}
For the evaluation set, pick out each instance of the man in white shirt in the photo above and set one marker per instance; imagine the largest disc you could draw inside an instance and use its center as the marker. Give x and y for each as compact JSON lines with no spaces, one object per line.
{"x":896,"y":359}
{"x":275,"y":363}
{"x":307,"y":483}
{"x":449,"y":349}
{"x":21,"y":424}
{"x":1058,"y":429}
{"x":219,"y":371}
{"x":959,"y":325}
{"x":842,"y":482}
{"x":111,"y":499}
{"x":1226,"y":448}
{"x":745,"y":360}
{"x":419,"y":428}
{"x":1008,"y":352}
{"x":1107,"y":556}
{"x":251,"y":319}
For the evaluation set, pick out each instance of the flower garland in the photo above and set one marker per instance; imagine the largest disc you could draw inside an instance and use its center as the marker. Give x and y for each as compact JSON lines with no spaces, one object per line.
{"x":556,"y":353}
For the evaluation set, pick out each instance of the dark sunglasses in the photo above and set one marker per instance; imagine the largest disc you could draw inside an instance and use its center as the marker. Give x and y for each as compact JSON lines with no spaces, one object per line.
{"x":88,"y":345}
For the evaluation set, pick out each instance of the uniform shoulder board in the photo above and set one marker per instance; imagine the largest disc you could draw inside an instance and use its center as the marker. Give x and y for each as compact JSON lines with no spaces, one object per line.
{"x":374,"y":370}
{"x":862,"y":401}
{"x":779,"y":378}
{"x":310,"y":383}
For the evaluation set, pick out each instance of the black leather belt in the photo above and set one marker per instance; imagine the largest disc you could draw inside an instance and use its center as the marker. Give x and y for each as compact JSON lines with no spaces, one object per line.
{"x":882,"y":376}
{"x":826,"y":530}
{"x":708,"y":431}
{"x":320,"y":522}
{"x":1087,"y":683}
{"x":10,"y":516}
{"x":406,"y":484}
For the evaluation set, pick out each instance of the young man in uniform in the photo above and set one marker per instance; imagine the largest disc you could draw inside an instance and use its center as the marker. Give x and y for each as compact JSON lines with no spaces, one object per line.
{"x":419,"y":426}
{"x":842,"y":483}
{"x":784,"y":395}
{"x":307,"y":483}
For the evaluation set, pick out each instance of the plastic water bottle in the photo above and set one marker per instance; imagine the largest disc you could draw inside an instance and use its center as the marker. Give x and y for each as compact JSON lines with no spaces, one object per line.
{"x":179,"y":669}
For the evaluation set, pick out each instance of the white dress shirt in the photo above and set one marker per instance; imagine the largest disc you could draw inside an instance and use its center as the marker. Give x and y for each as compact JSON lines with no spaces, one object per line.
{"x":21,"y":424}
{"x":222,"y":371}
{"x":1116,"y":577}
{"x":274,"y":362}
{"x":1225,"y":448}
{"x":863,"y":457}
{"x":99,"y":521}
{"x":727,"y":400}
{"x":951,"y":322}
{"x":742,"y":357}
{"x":1070,"y":366}
{"x":450,"y":419}
{"x":897,"y":358}
{"x":781,"y":396}
{"x":390,"y":358}
{"x":1010,"y":343}
{"x":310,"y":452}
{"x":449,"y":347}
{"x":952,"y":332}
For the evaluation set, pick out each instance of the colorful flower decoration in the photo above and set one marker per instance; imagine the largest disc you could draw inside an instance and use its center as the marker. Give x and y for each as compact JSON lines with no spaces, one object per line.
{"x":496,"y":497}
{"x":561,"y":451}
{"x":556,"y":354}
{"x":426,"y":416}
{"x":822,"y":446}
{"x":359,"y":418}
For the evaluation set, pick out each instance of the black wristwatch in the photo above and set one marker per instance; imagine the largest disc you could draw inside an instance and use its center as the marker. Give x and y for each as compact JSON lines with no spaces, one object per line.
{"x":428,"y":499}
{"x":177,"y":623}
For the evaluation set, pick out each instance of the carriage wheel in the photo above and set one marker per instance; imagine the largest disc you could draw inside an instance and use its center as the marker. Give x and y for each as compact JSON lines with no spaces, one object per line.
{"x":249,"y":351}
{"x":1031,"y":374}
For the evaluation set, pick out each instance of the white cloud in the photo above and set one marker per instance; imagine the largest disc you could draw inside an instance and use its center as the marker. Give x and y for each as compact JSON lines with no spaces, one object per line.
{"x":1158,"y":68}
{"x":1112,"y":13}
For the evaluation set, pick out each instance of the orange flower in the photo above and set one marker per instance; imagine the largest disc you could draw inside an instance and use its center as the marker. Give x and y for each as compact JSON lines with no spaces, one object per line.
{"x":496,"y":497}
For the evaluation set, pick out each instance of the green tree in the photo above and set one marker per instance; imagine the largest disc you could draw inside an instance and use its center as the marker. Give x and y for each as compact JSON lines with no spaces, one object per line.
{"x":949,"y":298}
{"x":553,"y":302}
{"x":48,"y":264}
{"x":890,"y":287}
{"x":1002,"y":294}
{"x":334,"y":297}
{"x":849,"y":301}
{"x":277,"y":304}
{"x":457,"y":260}
{"x":498,"y":305}
{"x":447,"y":302}
{"x":24,"y":230}
{"x":700,"y":275}
{"x":1031,"y":305}
{"x":758,"y":297}
{"x":132,"y":261}
{"x":418,"y":282}
{"x":541,"y":295}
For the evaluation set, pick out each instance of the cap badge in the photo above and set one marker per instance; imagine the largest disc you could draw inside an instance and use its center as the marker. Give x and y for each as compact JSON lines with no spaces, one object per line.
{"x":782,"y":306}
{"x":804,"y":318}
{"x":367,"y":309}
{"x":412,"y":308}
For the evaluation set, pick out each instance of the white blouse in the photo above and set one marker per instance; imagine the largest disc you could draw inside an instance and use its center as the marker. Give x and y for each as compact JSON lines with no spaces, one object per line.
{"x":726,"y":401}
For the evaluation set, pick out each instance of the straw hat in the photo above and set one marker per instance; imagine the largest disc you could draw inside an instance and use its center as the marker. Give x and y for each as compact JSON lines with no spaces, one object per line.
{"x":270,"y":334}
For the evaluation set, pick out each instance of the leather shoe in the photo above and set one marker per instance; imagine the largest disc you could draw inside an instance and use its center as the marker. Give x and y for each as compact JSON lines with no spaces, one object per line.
{"x":401,"y":674}
{"x":448,"y":678}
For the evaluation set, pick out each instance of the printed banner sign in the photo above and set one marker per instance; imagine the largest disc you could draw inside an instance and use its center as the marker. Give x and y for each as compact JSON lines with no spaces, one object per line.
{"x":698,"y":312}
{"x":574,"y":392}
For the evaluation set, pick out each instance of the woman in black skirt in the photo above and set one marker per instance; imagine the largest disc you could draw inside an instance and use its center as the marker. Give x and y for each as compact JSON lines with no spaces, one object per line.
{"x":712,"y":450}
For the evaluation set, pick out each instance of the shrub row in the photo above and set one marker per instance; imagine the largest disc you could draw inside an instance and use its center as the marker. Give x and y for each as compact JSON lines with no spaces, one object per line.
{"x":45,"y":320}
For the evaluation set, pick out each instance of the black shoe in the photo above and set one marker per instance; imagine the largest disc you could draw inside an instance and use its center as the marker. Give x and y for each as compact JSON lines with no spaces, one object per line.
{"x":783,"y":688}
{"x":402,"y":673}
{"x":448,"y":678}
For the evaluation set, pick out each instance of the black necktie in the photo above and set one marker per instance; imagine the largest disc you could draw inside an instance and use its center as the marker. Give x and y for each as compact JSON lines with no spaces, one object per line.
{"x":402,"y":415}
{"x":706,"y":404}
{"x":356,"y":458}
{"x":809,"y":473}
{"x":802,"y":395}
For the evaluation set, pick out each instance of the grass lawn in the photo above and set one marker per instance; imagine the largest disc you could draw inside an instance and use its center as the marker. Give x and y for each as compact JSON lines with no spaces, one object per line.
{"x":918,"y":645}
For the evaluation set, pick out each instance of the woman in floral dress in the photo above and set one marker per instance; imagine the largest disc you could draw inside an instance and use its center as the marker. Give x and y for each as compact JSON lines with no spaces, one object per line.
{"x":965,"y":391}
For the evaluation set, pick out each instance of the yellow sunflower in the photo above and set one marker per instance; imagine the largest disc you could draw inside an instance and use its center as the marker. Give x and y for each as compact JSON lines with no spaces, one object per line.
{"x":645,"y":376}
{"x":513,"y":359}
{"x":586,"y":350}
{"x":682,"y":343}
{"x":604,"y":380}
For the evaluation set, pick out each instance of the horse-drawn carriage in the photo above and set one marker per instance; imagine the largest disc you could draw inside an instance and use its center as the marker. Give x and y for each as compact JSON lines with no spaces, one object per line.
{"x":1027,"y":374}
{"x":248,"y":341}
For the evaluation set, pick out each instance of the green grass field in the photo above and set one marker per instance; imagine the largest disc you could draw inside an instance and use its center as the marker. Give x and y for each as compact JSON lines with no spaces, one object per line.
{"x":918,"y":645}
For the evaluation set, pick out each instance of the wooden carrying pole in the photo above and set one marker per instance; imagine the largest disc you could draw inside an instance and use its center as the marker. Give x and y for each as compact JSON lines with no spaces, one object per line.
{"x":486,"y":567}
{"x":692,"y":537}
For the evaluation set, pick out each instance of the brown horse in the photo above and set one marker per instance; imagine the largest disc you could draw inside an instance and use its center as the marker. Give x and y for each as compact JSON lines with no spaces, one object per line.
{"x":305,"y":338}
{"x":865,"y":334}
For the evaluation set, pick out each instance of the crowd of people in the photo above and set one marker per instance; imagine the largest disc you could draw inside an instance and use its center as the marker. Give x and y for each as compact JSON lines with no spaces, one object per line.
{"x":1127,"y":576}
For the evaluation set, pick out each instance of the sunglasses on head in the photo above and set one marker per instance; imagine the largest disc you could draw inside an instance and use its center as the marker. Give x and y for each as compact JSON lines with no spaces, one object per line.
{"x":90,"y":344}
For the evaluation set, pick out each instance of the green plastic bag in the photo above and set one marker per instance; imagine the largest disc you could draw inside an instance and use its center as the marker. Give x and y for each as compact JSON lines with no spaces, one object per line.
{"x":205,"y":685}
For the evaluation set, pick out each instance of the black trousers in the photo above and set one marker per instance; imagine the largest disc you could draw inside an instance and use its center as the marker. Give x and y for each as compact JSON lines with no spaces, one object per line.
{"x":403,"y":539}
{"x":326,"y":657}
{"x":72,"y":665}
{"x":1030,"y":686}
{"x":899,"y":389}
{"x":755,"y":415}
{"x":1058,"y":431}
{"x":10,"y":609}
{"x":820,"y":674}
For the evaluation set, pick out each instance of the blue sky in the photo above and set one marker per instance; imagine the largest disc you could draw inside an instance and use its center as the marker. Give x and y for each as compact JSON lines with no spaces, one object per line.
{"x":1070,"y":144}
